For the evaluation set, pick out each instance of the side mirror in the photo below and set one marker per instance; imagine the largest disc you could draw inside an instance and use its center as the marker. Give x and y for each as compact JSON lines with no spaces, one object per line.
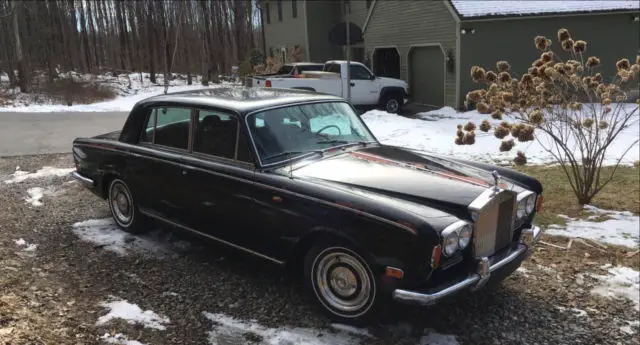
{"x":373,"y":77}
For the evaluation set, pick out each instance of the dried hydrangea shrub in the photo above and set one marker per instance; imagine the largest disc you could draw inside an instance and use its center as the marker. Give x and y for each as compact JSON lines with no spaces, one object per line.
{"x":563,"y":95}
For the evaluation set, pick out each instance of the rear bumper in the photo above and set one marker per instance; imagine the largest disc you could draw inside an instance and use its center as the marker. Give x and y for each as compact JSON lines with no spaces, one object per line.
{"x":87,"y":182}
{"x":488,"y":270}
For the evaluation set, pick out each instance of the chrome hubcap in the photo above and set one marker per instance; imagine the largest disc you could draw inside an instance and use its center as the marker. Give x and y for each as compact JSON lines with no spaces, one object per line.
{"x":121,"y":204}
{"x":343,"y":282}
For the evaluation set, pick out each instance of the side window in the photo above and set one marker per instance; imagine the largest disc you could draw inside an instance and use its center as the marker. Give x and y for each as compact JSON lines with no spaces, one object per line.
{"x":217,"y":135}
{"x":359,"y":73}
{"x":335,"y":68}
{"x":168,"y":126}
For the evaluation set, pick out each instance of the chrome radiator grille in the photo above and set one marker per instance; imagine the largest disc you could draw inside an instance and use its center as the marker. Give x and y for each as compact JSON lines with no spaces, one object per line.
{"x":494,"y":227}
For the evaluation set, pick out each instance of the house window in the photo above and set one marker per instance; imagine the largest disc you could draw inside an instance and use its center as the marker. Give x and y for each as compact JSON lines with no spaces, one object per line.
{"x":294,"y":8}
{"x":267,"y":9}
{"x":279,"y":10}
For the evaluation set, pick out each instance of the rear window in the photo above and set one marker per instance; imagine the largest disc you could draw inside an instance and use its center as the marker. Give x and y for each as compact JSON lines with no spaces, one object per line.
{"x":286,"y":69}
{"x":306,"y":68}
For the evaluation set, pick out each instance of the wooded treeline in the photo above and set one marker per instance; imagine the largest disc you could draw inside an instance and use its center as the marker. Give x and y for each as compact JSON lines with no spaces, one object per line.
{"x":203,"y":37}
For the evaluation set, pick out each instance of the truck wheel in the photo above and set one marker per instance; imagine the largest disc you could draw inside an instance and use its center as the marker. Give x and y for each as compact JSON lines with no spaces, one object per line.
{"x":123,"y":209}
{"x":392,"y":104}
{"x":343,"y":282}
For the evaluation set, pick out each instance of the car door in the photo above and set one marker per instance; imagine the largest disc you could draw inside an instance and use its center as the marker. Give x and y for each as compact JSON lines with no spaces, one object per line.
{"x":364,"y":90}
{"x":156,"y":167}
{"x":220,"y":178}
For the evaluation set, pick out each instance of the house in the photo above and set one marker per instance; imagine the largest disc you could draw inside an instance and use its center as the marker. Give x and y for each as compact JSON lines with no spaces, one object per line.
{"x":306,"y":24}
{"x":433,"y":44}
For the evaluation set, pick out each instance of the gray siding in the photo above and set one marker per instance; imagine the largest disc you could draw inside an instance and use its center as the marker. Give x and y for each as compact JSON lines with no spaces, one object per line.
{"x":290,"y":31}
{"x":322,"y":15}
{"x":403,"y":24}
{"x":608,"y":36}
{"x":359,"y":12}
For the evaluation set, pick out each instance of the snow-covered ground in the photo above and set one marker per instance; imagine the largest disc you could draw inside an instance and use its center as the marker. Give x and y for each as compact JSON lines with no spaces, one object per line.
{"x":44,"y":172}
{"x":106,"y":234}
{"x":621,"y":282}
{"x":129,"y":89}
{"x":621,"y":228}
{"x":133,"y":314}
{"x":434,"y":131}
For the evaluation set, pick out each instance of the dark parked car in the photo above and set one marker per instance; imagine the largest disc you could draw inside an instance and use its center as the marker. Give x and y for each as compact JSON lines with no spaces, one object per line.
{"x":297,"y":178}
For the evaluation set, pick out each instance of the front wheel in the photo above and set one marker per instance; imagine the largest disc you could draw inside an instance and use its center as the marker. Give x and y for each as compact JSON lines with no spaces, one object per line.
{"x":123,"y":209}
{"x":343,"y":282}
{"x":392,"y":104}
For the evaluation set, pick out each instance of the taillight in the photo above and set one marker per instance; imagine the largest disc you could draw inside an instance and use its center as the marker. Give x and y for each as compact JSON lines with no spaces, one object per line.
{"x":267,"y":83}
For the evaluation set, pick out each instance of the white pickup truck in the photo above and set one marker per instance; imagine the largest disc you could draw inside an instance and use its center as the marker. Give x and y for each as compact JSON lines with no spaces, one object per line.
{"x":366,"y":88}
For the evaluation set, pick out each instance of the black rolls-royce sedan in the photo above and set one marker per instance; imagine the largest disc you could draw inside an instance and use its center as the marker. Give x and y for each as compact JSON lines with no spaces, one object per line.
{"x":297,"y":178}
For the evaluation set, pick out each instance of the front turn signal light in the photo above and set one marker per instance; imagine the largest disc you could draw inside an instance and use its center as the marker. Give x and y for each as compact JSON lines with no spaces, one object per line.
{"x":539,"y":204}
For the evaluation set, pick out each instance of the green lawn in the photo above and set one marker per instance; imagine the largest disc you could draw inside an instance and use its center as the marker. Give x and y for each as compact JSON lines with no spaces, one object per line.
{"x":622,"y":193}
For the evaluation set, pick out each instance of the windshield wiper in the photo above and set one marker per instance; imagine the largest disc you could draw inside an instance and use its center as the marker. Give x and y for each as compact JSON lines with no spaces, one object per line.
{"x":344,"y":142}
{"x":288,"y":153}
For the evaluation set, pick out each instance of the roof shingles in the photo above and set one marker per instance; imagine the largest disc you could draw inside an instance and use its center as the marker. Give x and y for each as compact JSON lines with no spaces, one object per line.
{"x":486,"y":8}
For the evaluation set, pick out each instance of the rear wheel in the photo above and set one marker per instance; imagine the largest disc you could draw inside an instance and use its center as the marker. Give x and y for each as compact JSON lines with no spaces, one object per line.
{"x":343,"y":282}
{"x":123,"y":209}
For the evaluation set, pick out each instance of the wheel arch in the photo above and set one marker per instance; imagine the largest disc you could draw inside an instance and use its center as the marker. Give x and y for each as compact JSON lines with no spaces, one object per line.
{"x":390,"y":91}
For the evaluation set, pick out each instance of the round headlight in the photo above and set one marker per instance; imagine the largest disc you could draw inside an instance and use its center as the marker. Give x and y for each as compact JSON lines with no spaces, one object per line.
{"x":521,"y":210}
{"x":450,"y":244}
{"x":464,"y":237}
{"x":531,"y":204}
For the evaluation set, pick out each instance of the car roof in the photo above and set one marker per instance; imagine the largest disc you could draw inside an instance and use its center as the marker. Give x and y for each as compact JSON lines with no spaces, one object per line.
{"x":240,"y":99}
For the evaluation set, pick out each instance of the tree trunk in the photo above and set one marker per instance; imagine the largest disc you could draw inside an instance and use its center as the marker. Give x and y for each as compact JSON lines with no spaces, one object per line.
{"x":22,"y":78}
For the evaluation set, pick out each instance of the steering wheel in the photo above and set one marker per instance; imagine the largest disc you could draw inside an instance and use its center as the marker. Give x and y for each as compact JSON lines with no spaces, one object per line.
{"x":327,"y":127}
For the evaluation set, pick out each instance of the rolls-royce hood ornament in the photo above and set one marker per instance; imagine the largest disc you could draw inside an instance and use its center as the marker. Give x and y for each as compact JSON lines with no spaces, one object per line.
{"x":496,"y":180}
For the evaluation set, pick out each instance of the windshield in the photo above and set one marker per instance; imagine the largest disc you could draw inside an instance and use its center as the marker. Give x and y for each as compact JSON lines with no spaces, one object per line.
{"x":291,"y":131}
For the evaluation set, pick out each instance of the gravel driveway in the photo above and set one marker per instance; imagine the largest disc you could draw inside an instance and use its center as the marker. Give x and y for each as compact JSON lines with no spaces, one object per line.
{"x":57,"y":287}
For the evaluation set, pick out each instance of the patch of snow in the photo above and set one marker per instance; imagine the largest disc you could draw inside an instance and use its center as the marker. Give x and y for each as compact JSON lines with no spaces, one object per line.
{"x":351,"y":329}
{"x":545,"y":268}
{"x":577,"y":312}
{"x":468,"y":8}
{"x":523,"y":271}
{"x":622,"y":282}
{"x":119,"y":339}
{"x":622,"y":228}
{"x":28,"y":247}
{"x":106,"y":234}
{"x":35,"y":196}
{"x":133,"y":314}
{"x":628,"y":328}
{"x":434,"y":133}
{"x":44,"y":172}
{"x":229,"y":330}
{"x":430,"y":337}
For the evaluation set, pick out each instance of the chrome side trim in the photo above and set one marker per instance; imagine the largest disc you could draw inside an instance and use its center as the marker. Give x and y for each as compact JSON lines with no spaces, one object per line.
{"x":84,"y":180}
{"x":160,"y":218}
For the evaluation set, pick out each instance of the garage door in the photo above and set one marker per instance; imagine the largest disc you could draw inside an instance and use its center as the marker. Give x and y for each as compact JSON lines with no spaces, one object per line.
{"x":426,"y":75}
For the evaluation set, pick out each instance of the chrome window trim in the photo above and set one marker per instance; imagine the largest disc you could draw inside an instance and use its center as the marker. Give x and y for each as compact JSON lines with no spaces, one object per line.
{"x":304,"y":155}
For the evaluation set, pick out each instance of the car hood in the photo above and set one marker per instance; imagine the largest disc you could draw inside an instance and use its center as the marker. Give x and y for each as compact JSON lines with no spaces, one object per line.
{"x":404,"y":173}
{"x":384,"y":82}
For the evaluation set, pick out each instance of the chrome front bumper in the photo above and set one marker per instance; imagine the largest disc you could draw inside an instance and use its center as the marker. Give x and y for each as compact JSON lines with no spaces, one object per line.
{"x":84,"y":180}
{"x":475,"y":280}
